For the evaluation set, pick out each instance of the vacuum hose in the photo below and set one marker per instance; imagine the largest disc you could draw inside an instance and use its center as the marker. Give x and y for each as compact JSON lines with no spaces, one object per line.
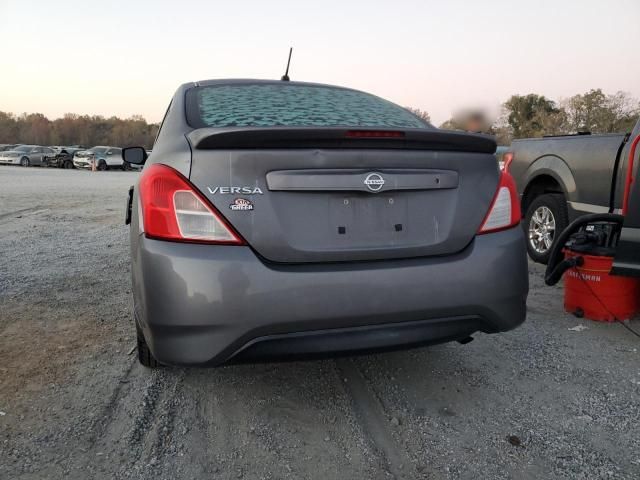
{"x":556,"y":267}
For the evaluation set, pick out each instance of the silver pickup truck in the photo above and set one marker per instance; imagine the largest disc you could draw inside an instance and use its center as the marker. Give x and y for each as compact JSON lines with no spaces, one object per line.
{"x":561,"y":178}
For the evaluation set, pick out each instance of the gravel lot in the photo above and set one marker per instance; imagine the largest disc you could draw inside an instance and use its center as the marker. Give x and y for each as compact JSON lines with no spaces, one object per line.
{"x":542,"y":401}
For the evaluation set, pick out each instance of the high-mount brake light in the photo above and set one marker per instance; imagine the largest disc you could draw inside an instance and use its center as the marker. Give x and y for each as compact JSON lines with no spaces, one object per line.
{"x":173,"y":209}
{"x":374,"y":134}
{"x":504,"y":212}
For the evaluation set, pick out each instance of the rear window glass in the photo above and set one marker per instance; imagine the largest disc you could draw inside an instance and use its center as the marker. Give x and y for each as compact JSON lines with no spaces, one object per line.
{"x":252,"y":105}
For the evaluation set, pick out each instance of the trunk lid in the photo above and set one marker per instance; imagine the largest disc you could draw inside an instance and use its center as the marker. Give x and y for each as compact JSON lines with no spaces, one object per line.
{"x":316,"y":195}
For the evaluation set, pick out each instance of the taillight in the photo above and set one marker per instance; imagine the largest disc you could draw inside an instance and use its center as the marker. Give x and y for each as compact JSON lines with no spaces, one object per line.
{"x":173,"y":209}
{"x":507,"y":158}
{"x":505,"y":208}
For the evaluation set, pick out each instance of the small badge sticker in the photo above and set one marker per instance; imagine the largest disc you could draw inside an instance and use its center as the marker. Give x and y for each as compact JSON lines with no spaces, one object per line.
{"x":241,"y":204}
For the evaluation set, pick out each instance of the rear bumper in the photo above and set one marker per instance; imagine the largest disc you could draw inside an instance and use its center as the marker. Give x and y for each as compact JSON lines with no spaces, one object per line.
{"x":350,"y":340}
{"x":199,"y":304}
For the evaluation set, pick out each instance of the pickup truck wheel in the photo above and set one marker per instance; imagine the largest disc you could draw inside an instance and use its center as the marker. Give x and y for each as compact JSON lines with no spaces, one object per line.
{"x":145,"y":357}
{"x":545,"y":219}
{"x":68,"y":164}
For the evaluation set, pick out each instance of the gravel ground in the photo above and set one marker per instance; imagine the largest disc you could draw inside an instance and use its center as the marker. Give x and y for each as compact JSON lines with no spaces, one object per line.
{"x":542,"y":401}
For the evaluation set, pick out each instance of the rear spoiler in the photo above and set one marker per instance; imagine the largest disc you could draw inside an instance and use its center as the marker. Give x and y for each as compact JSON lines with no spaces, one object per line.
{"x":311,"y":137}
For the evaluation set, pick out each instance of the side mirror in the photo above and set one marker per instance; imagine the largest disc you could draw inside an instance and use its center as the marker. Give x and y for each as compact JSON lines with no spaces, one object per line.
{"x":134,"y":155}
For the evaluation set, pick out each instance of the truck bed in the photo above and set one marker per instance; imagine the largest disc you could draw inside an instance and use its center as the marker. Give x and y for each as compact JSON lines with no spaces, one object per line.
{"x":582,"y":164}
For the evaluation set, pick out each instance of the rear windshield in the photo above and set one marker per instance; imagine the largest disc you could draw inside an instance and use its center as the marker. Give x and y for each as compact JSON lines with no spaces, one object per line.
{"x":287,"y":105}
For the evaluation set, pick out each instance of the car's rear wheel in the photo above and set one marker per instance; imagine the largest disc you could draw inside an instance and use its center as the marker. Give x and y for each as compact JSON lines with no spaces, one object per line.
{"x":545,"y":219}
{"x":102,"y":165}
{"x":24,"y":162}
{"x":145,"y":357}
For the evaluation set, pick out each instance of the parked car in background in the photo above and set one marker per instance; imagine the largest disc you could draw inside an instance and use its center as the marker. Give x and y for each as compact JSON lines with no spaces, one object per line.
{"x":4,"y":147}
{"x":27,"y":155}
{"x":104,"y":158}
{"x":70,"y":149}
{"x":561,"y":178}
{"x":63,"y":157}
{"x":281,"y":219}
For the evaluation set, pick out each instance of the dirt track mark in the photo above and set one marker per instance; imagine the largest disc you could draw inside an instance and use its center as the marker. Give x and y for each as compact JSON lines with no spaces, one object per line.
{"x":24,"y":211}
{"x":154,"y":429}
{"x":373,"y":419}
{"x":104,"y":420}
{"x":143,"y":421}
{"x":136,"y":419}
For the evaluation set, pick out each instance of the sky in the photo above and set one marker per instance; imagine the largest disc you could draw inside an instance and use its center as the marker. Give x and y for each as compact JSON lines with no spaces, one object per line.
{"x":128,"y":57}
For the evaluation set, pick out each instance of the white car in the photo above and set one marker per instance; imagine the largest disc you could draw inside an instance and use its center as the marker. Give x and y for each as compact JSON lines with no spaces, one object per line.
{"x":104,"y":158}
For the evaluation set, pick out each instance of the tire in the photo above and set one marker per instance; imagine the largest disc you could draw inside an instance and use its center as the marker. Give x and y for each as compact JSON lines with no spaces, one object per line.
{"x":545,"y":219}
{"x":126,"y":166}
{"x":145,"y":357}
{"x":102,"y":165}
{"x":68,"y":164}
{"x":24,"y":162}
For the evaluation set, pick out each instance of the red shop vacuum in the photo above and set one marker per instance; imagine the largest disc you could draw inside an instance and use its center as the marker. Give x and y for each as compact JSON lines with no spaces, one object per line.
{"x":584,"y":254}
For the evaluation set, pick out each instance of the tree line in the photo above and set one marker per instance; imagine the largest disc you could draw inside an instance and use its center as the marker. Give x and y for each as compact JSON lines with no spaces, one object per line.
{"x":534,"y":115}
{"x":522,"y":116}
{"x":73,"y":129}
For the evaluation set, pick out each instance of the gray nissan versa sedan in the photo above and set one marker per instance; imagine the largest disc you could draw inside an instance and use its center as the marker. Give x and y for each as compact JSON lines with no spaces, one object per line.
{"x":281,"y":219}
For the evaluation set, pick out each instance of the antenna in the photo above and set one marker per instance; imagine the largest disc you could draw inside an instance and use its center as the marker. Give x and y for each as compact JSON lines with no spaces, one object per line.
{"x":285,"y":77}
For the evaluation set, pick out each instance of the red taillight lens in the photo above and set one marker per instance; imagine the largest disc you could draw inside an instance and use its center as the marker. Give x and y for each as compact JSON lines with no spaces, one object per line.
{"x":172,"y":209}
{"x":507,"y":158}
{"x":374,"y":134}
{"x":505,"y":208}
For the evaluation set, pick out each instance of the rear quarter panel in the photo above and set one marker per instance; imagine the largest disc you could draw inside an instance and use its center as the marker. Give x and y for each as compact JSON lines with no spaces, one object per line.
{"x":171,"y":146}
{"x":622,"y":168}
